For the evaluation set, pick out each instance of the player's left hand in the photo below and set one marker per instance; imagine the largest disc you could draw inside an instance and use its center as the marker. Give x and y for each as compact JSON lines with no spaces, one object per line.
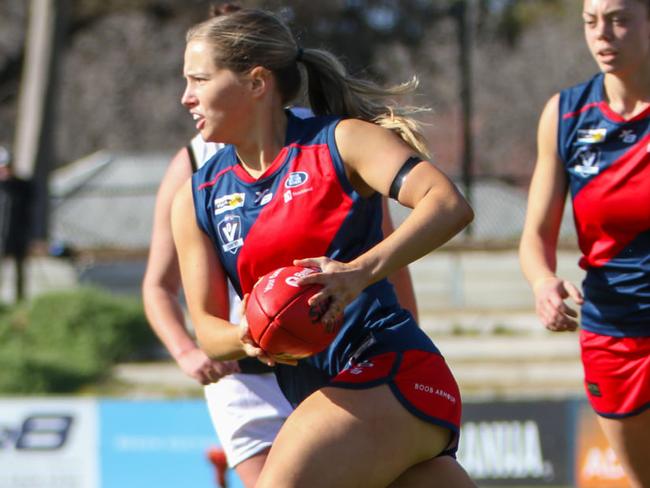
{"x":342,"y":283}
{"x":196,"y":364}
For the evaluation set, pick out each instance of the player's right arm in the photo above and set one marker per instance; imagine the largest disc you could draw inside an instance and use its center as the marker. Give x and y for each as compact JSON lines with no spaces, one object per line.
{"x":161,"y":284}
{"x":204,"y":282}
{"x":538,"y":245}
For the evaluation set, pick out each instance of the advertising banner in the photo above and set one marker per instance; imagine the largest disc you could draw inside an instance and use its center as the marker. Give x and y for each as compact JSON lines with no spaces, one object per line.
{"x":101,"y":443}
{"x":596,"y":463}
{"x":48,"y":443}
{"x":91,"y":443}
{"x":155,"y":443}
{"x":518,"y":443}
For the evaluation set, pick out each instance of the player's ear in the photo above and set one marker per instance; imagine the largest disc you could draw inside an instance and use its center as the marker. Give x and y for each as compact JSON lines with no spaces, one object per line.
{"x":260,"y":78}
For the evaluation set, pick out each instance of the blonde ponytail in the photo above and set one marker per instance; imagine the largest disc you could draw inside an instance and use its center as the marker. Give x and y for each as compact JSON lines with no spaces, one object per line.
{"x":332,"y":91}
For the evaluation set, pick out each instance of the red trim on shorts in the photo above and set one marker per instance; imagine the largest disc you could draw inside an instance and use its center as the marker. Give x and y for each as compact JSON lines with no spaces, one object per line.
{"x":617,"y":373}
{"x":420,"y":380}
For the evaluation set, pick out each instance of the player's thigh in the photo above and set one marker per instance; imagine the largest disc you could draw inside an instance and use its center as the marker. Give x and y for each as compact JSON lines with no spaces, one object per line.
{"x":443,"y":472}
{"x":350,"y":438}
{"x":249,"y":470}
{"x":630,"y":438}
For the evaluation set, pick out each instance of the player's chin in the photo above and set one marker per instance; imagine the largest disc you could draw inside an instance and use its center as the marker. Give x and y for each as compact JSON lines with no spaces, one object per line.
{"x":209,"y":135}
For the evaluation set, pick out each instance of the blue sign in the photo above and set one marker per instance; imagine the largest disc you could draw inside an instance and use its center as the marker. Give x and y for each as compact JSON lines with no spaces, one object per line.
{"x":157,"y":443}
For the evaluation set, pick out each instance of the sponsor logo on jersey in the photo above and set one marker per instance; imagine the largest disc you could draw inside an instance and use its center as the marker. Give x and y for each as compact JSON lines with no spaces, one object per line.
{"x":296,"y":178}
{"x":263,"y":197}
{"x":230,"y":233}
{"x":591,"y":136}
{"x":628,"y":136}
{"x":228,"y":202}
{"x":588,"y":165}
{"x":290,"y":194}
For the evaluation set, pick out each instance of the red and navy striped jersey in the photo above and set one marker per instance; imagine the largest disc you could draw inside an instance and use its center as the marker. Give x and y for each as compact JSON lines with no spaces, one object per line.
{"x":607,"y":160}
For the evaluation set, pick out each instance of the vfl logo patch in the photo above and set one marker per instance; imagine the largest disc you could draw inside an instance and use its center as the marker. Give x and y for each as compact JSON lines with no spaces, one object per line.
{"x":588,"y":165}
{"x":230,"y":233}
{"x":228,"y":202}
{"x":297,"y":178}
{"x":591,"y":136}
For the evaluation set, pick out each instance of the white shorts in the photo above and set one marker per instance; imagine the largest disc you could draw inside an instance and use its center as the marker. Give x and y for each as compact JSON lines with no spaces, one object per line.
{"x":247,"y":411}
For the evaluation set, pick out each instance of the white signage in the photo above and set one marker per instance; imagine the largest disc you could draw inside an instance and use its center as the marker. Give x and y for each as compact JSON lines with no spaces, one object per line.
{"x":48,"y":443}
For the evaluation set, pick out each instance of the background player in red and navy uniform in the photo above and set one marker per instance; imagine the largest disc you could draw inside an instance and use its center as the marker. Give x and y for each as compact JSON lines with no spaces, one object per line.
{"x":380,"y":405}
{"x":594,"y":140}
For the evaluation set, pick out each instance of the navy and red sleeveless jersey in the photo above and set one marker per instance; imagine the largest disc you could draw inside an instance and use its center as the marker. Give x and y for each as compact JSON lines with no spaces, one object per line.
{"x":607,"y":159}
{"x":302,"y":206}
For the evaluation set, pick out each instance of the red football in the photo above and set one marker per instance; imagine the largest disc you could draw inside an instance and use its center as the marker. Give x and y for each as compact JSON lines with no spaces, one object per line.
{"x":279,"y":319}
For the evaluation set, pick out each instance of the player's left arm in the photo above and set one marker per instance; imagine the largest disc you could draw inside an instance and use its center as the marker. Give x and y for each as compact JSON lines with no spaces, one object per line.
{"x":373,"y":156}
{"x":400,"y":279}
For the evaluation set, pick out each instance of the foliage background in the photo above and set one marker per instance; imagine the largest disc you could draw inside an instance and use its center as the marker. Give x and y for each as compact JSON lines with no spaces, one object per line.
{"x":61,"y":341}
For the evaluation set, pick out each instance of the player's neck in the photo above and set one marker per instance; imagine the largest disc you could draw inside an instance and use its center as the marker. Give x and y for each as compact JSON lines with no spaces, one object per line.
{"x":629,"y":95}
{"x":264,"y":143}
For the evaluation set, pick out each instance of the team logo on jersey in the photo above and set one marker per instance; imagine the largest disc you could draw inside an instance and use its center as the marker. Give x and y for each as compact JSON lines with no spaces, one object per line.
{"x":628,"y":136}
{"x":591,"y":136}
{"x":297,"y":178}
{"x":588,"y":158}
{"x":228,"y":202}
{"x":230,"y":233}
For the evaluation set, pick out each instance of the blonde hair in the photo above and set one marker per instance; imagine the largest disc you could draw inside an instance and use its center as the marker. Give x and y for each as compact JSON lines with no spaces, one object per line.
{"x":246,"y":38}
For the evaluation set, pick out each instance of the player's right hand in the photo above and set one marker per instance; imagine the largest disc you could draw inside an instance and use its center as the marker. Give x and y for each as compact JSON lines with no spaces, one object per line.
{"x":196,"y":364}
{"x":250,"y":346}
{"x":554,"y":313}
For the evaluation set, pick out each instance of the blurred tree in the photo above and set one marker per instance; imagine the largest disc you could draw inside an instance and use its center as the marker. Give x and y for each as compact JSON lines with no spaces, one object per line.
{"x":121,"y":69}
{"x":509,"y":19}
